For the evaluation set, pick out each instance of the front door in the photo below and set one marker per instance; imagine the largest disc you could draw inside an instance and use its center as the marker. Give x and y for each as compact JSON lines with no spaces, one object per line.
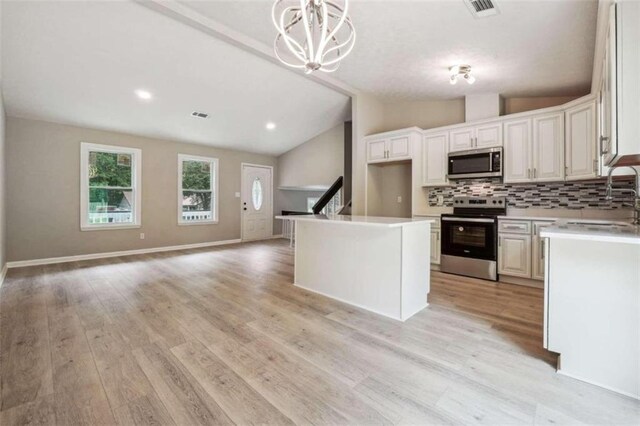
{"x":257,"y":211}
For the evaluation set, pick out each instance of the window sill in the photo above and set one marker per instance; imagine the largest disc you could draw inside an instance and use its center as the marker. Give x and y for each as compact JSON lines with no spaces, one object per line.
{"x":201,"y":222}
{"x":108,"y":227}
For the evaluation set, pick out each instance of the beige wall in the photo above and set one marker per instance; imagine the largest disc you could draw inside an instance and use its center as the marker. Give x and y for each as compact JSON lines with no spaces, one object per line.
{"x":384,"y":185}
{"x":319,"y":161}
{"x":43,"y":192}
{"x":515,"y":105}
{"x":423,"y":114}
{"x":368,"y":119}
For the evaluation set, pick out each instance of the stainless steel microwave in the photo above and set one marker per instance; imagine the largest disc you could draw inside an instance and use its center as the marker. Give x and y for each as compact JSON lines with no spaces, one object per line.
{"x":475,"y":163}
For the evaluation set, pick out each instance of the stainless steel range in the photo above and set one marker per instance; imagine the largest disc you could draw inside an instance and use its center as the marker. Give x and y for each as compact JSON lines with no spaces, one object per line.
{"x":470,"y":237}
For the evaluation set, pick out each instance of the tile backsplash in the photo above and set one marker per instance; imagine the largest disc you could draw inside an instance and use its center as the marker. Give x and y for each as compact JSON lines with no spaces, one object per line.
{"x":552,"y":195}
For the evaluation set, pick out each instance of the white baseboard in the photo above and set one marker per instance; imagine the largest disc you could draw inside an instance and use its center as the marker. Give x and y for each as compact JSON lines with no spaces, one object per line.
{"x":65,"y":259}
{"x":3,"y":273}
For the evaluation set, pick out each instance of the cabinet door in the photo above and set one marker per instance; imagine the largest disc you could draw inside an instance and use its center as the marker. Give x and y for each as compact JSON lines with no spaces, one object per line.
{"x":537,"y":249}
{"x":435,"y":246}
{"x":376,"y":150}
{"x":399,"y":147}
{"x":514,"y":255}
{"x":434,"y":162}
{"x":489,"y":135}
{"x":609,"y":95}
{"x":548,"y":148}
{"x":461,"y":139}
{"x":517,"y":151}
{"x":580,"y":142}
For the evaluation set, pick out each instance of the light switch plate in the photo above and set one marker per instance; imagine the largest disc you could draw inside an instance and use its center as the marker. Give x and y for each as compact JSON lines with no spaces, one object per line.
{"x":399,"y":199}
{"x":142,"y":235}
{"x":237,"y":195}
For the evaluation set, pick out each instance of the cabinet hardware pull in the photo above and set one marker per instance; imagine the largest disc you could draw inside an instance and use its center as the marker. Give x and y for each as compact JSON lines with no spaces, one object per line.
{"x":603,"y":150}
{"x":535,"y":172}
{"x":595,"y":166}
{"x":542,"y":248}
{"x":528,"y":173}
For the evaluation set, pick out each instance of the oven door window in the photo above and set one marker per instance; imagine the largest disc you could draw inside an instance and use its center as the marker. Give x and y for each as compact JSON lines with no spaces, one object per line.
{"x":474,"y":163}
{"x":467,"y":239}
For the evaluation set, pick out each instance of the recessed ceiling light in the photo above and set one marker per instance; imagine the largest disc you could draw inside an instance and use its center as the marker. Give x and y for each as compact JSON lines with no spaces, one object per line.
{"x":143,"y":94}
{"x":270,"y":125}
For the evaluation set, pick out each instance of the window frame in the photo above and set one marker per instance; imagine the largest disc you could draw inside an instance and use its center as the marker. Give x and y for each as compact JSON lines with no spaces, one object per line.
{"x":213,"y":164}
{"x":136,"y":186}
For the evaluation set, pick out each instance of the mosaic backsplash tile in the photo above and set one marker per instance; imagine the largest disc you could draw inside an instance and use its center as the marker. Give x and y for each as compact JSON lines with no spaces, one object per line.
{"x":572,"y":195}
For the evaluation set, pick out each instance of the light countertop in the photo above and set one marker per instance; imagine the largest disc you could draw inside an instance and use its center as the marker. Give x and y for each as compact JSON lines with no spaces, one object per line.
{"x":617,"y":233}
{"x":388,"y":222}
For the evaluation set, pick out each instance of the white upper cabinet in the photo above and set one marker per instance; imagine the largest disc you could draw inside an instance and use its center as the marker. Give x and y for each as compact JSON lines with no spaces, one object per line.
{"x":434,"y":163}
{"x":399,"y":147}
{"x":376,"y":150}
{"x":517,"y":151}
{"x":548,"y":148}
{"x":622,"y":89}
{"x":487,"y":135}
{"x":580,"y":142}
{"x":461,"y":139}
{"x":392,"y":146}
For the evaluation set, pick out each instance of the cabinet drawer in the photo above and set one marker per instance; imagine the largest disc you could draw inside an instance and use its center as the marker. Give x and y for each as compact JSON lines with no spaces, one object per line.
{"x":514,"y":226}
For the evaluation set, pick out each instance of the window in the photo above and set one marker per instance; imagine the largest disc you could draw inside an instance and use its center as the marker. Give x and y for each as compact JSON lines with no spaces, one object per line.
{"x":110,"y":187}
{"x":311,"y":201}
{"x":197,"y":190}
{"x":256,"y":194}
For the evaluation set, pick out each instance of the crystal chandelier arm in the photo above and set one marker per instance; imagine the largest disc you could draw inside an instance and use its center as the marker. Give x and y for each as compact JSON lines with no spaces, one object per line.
{"x":275,"y":48}
{"x":292,"y":44}
{"x":351,"y":40}
{"x":343,"y":17}
{"x":304,"y":4}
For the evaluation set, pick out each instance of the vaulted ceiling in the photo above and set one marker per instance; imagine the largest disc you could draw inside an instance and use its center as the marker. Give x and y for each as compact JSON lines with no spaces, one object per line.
{"x":80,"y":63}
{"x":405,"y":47}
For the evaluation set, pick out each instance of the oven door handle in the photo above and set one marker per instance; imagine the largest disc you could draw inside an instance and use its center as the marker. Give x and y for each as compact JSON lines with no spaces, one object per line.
{"x":467,"y":219}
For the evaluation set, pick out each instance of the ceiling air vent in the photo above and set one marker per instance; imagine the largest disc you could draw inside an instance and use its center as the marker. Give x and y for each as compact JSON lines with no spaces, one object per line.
{"x":482,"y":8}
{"x":200,"y":114}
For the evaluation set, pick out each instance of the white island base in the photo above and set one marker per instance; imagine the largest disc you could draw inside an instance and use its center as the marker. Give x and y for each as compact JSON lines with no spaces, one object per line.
{"x":378,"y":264}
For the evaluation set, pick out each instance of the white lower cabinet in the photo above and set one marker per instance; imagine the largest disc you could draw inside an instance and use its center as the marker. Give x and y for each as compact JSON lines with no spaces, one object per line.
{"x":537,"y":247}
{"x":520,"y":248}
{"x":514,"y":255}
{"x":435,"y":246}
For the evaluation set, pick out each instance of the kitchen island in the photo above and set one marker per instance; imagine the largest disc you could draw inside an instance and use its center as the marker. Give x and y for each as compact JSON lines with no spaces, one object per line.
{"x":379,"y":264}
{"x":592,"y":303}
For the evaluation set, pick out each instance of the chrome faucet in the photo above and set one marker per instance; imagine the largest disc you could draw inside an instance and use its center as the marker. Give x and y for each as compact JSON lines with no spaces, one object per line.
{"x":636,"y":192}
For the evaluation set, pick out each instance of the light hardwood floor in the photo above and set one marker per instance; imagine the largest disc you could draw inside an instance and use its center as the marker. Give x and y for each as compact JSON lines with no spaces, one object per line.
{"x":220,"y":336}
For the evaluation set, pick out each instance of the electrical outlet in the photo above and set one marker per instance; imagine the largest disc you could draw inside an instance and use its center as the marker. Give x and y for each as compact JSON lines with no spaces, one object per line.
{"x":142,"y":235}
{"x":399,"y":199}
{"x":440,"y":200}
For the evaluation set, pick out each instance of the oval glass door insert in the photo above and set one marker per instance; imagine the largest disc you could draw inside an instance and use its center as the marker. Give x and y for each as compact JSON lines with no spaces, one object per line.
{"x":256,"y":194}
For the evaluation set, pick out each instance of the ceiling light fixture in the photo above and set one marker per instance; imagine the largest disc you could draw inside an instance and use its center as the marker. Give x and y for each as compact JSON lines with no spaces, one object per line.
{"x":318,"y":33}
{"x":270,"y":126}
{"x":461,"y":70}
{"x":143,"y":94}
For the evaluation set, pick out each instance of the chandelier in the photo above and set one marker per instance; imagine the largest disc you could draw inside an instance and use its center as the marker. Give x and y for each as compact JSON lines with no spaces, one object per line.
{"x":317,"y":34}
{"x":461,"y":70}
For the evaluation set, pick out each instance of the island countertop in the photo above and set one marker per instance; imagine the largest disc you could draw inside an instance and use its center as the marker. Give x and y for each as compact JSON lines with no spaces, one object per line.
{"x":388,"y":222}
{"x":613,"y":233}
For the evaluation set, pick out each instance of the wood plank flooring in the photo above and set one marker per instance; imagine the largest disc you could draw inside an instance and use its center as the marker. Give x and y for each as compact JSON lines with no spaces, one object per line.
{"x":220,"y":336}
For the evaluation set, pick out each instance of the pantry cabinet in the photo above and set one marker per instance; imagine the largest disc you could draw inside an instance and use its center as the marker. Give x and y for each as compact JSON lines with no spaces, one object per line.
{"x":434,"y":162}
{"x":580,"y":142}
{"x":481,"y":136}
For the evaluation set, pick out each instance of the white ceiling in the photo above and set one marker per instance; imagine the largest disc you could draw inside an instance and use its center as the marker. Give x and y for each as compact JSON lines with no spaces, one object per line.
{"x":404,"y":47}
{"x":80,"y":62}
